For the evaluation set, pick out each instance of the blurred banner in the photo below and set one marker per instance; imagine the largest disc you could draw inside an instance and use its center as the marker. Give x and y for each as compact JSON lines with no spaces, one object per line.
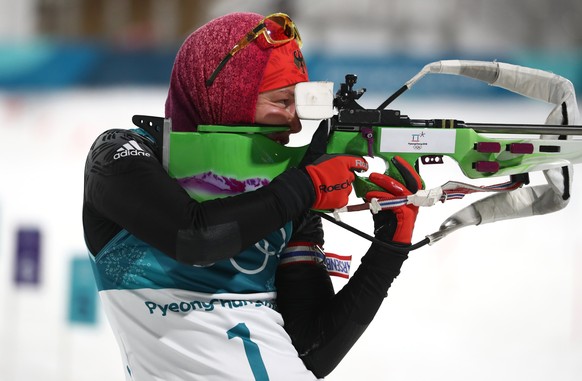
{"x":50,"y":65}
{"x":43,"y":65}
{"x":82,"y":292}
{"x":27,"y":257}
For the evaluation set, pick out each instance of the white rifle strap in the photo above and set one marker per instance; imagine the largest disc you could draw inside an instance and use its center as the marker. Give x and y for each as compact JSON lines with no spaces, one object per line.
{"x":533,"y":200}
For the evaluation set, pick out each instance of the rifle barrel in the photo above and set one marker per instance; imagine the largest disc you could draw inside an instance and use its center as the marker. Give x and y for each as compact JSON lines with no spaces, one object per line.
{"x":542,"y":129}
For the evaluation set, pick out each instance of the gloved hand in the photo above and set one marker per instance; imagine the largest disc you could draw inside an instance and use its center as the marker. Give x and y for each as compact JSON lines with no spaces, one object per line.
{"x":397,"y":224}
{"x":331,"y":174}
{"x":332,"y":177}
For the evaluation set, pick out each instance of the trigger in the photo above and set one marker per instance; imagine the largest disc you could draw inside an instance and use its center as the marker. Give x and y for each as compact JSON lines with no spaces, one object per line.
{"x":368,"y":134}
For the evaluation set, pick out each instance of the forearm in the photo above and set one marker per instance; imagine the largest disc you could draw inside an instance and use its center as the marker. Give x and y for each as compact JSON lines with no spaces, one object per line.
{"x":135,"y":193}
{"x":222,"y":228}
{"x":324,"y":326}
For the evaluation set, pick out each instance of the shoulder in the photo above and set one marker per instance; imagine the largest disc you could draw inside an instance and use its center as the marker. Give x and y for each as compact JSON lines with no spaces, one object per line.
{"x":117,"y":147}
{"x":122,"y":143}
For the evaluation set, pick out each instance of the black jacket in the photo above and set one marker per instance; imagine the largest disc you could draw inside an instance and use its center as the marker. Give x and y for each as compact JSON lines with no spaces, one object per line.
{"x":136,"y":194}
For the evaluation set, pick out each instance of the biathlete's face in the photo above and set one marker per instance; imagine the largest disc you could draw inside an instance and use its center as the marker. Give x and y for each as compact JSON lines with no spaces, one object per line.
{"x":277,"y":108}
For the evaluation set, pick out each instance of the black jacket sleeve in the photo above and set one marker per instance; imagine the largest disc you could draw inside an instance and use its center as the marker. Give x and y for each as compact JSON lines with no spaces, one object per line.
{"x":323,"y":325}
{"x":127,"y":188}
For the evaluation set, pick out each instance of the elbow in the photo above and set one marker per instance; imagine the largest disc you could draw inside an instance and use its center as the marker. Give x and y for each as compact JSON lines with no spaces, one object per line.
{"x":202,"y":247}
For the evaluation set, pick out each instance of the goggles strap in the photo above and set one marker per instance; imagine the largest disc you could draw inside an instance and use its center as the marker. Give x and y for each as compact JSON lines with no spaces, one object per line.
{"x":261,"y":28}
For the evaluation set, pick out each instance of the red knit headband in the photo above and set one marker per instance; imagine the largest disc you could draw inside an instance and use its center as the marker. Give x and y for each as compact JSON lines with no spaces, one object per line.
{"x":285,"y":67}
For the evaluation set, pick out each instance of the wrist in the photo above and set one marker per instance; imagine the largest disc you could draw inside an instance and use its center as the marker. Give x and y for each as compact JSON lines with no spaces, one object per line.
{"x":384,"y":260}
{"x":294,"y":189}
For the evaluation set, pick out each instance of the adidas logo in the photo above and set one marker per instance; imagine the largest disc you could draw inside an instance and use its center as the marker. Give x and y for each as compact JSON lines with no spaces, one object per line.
{"x":130,"y":148}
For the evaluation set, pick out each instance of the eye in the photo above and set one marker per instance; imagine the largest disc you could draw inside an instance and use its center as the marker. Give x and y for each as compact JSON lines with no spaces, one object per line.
{"x":284,"y":102}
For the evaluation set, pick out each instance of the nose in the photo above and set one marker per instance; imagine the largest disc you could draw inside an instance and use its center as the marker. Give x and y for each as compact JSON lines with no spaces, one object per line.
{"x":294,"y":123}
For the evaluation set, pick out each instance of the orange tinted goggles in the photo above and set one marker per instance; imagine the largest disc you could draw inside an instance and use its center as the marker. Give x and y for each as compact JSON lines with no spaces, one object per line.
{"x":277,"y":28}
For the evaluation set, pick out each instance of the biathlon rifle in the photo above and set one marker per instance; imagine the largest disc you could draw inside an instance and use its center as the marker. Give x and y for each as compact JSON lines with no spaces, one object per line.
{"x":385,"y":133}
{"x":248,"y":159}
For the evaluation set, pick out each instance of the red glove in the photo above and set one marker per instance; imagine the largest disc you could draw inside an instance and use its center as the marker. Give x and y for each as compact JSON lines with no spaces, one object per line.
{"x":332,"y":177}
{"x":397,"y":224}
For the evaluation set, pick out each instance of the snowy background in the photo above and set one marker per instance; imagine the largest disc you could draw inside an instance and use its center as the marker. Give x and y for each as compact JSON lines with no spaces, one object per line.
{"x":495,"y":302}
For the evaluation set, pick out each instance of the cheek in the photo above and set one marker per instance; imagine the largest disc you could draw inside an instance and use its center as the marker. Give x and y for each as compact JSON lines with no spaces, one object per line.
{"x":272,"y":115}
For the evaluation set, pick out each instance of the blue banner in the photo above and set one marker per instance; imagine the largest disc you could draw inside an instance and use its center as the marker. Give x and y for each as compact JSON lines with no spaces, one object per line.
{"x":82,"y":293}
{"x":27,"y":257}
{"x":46,"y":64}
